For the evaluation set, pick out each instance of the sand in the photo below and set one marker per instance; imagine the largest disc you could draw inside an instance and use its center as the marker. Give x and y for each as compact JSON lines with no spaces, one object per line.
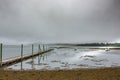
{"x":83,"y":74}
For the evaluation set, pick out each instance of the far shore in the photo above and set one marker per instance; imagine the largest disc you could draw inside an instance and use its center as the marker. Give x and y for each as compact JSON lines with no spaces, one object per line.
{"x":110,"y":48}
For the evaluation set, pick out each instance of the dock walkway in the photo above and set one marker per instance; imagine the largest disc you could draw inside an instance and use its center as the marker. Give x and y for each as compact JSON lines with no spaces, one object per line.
{"x":14,"y":60}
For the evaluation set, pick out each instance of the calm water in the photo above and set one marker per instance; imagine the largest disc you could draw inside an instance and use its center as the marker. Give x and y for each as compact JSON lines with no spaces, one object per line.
{"x":10,"y":51}
{"x":71,"y":58}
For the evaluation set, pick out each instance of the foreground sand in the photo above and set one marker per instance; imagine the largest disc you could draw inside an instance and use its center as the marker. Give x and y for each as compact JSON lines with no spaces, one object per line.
{"x":84,"y":74}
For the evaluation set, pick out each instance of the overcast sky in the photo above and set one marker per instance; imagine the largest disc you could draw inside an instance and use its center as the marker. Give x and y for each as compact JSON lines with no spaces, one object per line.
{"x":75,"y":21}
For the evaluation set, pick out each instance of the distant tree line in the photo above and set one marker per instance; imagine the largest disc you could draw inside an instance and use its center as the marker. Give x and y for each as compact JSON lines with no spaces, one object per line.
{"x":91,"y":44}
{"x":99,"y":44}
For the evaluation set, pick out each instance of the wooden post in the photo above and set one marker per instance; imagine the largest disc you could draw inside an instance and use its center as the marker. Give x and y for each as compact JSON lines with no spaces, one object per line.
{"x":32,"y":49}
{"x":21,"y":65}
{"x":43,"y":48}
{"x":43,"y":57}
{"x":32,"y":63}
{"x":39,"y":51}
{"x":39,"y":58}
{"x":1,"y":54}
{"x":21,"y":56}
{"x":32,"y":55}
{"x":38,"y":48}
{"x":21,"y":51}
{"x":46,"y":47}
{"x":46,"y":56}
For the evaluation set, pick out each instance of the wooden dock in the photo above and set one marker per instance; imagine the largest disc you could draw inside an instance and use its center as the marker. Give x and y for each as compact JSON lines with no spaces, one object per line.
{"x":14,"y":60}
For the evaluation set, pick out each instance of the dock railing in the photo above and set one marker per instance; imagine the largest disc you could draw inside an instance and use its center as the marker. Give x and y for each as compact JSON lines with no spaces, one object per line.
{"x":7,"y":51}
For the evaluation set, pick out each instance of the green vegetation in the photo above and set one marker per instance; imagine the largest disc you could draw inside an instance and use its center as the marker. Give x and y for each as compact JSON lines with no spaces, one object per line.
{"x":99,"y":44}
{"x":92,"y":44}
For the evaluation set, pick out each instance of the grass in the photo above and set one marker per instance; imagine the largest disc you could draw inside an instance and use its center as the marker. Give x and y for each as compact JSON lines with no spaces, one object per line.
{"x":83,"y":74}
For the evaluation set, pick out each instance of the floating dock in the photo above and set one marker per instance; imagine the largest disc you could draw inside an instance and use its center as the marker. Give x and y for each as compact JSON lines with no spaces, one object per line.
{"x":10,"y":61}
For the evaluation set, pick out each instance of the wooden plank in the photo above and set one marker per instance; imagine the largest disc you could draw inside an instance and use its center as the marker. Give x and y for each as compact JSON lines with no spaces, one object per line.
{"x":14,"y":60}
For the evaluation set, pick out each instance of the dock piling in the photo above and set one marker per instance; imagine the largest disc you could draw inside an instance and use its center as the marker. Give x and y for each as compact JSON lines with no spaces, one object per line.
{"x":1,"y":54}
{"x":22,"y":56}
{"x":46,"y":47}
{"x":43,"y":47}
{"x":39,"y":54}
{"x":39,"y":48}
{"x":32,"y":49}
{"x":21,"y":51}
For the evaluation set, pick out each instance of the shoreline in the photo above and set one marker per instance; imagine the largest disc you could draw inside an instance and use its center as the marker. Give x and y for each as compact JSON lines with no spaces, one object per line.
{"x":111,"y":73}
{"x":95,"y":68}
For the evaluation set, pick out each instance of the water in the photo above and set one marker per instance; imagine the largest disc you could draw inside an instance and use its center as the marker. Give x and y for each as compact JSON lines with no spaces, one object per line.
{"x":71,"y":58}
{"x":10,"y":51}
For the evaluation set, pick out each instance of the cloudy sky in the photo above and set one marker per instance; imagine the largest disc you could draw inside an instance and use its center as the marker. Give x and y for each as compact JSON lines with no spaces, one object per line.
{"x":75,"y":21}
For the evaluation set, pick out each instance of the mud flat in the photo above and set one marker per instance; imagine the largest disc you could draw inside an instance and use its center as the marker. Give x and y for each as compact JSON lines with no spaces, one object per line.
{"x":81,"y":74}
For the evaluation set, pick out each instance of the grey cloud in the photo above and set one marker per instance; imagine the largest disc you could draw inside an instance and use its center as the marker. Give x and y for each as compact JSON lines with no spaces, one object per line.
{"x":60,"y":20}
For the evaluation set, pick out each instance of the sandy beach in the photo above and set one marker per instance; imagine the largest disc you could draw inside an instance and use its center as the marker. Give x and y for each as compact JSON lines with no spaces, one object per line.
{"x":82,"y":74}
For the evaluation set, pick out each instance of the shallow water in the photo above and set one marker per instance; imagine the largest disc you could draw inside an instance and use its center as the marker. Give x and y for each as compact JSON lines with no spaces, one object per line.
{"x":71,"y":58}
{"x":10,"y":51}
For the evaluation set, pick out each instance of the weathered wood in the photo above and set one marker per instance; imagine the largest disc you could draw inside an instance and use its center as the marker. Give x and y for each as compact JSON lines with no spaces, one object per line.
{"x":39,"y":50}
{"x":1,"y":54}
{"x":32,"y":48}
{"x":21,"y":51}
{"x":14,"y":60}
{"x":43,"y":47}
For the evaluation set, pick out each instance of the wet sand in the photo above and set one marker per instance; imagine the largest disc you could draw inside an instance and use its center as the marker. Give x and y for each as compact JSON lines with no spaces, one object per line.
{"x":83,"y":74}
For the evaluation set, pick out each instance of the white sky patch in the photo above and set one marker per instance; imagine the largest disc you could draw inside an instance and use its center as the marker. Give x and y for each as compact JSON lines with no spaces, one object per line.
{"x":116,"y":41}
{"x":12,"y":42}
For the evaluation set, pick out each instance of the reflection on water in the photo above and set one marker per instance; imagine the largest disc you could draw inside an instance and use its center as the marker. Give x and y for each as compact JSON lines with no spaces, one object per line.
{"x":70,"y":58}
{"x":13,"y":51}
{"x":10,"y":51}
